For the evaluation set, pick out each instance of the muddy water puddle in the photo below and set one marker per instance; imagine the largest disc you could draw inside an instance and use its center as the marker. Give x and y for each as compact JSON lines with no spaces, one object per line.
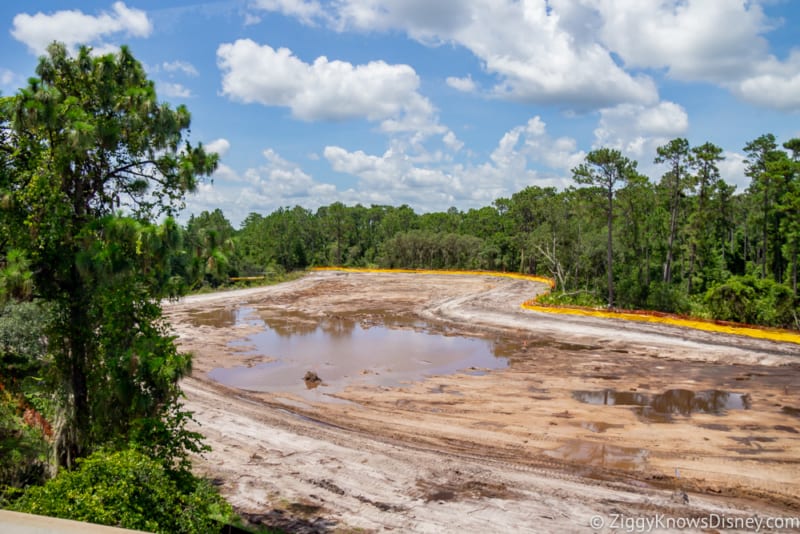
{"x":218,"y":318}
{"x":600,"y":455}
{"x":598,"y":427}
{"x":338,"y":352}
{"x":661,"y":408}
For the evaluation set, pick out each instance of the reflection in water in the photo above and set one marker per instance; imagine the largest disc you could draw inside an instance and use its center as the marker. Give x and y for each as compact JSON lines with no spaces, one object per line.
{"x":599,"y":426}
{"x":219,"y":318}
{"x":342,"y":352}
{"x":222,"y":317}
{"x":600,"y":455}
{"x":685,"y":402}
{"x":659,"y":408}
{"x":609,"y":397}
{"x":291,"y":324}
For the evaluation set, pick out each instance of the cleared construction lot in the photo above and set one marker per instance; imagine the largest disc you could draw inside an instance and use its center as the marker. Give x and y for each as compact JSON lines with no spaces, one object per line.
{"x":569,"y":419}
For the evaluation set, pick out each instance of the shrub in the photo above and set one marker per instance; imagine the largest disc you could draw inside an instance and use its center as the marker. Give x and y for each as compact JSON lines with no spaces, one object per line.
{"x":129,"y":490}
{"x":23,"y":448}
{"x":666,"y":297}
{"x":575,"y":298}
{"x":747,"y":299}
{"x":22,"y":337}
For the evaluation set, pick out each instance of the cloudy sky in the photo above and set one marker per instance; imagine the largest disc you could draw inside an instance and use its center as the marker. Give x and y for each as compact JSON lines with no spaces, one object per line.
{"x":436,"y":103}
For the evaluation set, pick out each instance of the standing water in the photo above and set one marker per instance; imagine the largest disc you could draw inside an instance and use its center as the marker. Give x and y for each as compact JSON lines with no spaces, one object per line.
{"x":343,"y":352}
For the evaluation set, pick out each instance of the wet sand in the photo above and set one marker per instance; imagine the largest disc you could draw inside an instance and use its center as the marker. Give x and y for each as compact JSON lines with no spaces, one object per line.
{"x":590,"y":416}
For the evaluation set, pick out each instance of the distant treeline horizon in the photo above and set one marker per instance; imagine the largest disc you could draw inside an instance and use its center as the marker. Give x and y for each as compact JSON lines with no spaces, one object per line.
{"x":685,"y":243}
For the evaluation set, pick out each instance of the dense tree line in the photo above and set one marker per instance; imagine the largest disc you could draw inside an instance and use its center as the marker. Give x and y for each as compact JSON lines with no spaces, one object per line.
{"x":684,"y":242}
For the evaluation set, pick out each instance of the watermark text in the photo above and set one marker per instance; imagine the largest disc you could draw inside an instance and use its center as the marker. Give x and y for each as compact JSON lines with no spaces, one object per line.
{"x":656,"y":522}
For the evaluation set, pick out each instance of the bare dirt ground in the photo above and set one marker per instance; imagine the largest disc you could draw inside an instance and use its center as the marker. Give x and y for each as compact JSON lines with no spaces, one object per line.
{"x":511,"y":450}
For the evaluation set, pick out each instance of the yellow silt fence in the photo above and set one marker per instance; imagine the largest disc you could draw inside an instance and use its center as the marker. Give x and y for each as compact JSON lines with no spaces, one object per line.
{"x":519,"y":276}
{"x":772,"y":334}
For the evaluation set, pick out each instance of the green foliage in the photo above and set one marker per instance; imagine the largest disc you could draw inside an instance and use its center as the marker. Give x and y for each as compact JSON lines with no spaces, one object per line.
{"x":83,"y":140}
{"x":210,"y":249}
{"x":287,"y":238}
{"x":164,"y":436}
{"x":16,"y":279}
{"x":130,"y":490}
{"x":748,"y":299}
{"x":23,"y":445}
{"x":23,"y":327}
{"x":418,"y":249}
{"x":605,"y":170}
{"x":23,"y":448}
{"x":574,"y":298}
{"x":666,"y":297}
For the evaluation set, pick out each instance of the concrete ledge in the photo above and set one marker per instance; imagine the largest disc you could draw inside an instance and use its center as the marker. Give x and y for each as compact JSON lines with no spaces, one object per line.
{"x":19,"y":523}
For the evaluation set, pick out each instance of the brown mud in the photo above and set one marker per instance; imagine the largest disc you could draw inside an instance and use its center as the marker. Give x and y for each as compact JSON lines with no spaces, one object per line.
{"x":589,"y":417}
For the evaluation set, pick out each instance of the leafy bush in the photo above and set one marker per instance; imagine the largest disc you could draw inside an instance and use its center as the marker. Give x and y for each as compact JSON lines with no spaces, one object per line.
{"x":23,"y":448}
{"x":22,"y":337}
{"x":127,"y":489}
{"x":575,"y":298}
{"x":166,"y":437}
{"x":667,"y":298}
{"x":747,"y":299}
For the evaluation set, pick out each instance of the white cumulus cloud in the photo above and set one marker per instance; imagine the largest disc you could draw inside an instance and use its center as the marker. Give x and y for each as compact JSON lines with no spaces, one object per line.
{"x":637,"y":130}
{"x":693,"y":39}
{"x":535,"y":57}
{"x":322,"y":90}
{"x":218,"y":146}
{"x":251,"y":19}
{"x":326,"y":89}
{"x":775,"y":84}
{"x":74,"y":28}
{"x":174,"y":90}
{"x":531,"y":143}
{"x":732,"y":169}
{"x":274,"y":184}
{"x":587,"y":54}
{"x":452,"y":142}
{"x":396,"y":179}
{"x":721,"y":42}
{"x":436,"y":185}
{"x":465,"y":85}
{"x":180,"y":66}
{"x":6,"y":77}
{"x":304,"y":10}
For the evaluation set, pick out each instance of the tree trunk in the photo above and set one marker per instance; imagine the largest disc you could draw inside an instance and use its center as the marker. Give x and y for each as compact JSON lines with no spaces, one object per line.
{"x":765,"y":232}
{"x":79,"y":418}
{"x":609,"y":252}
{"x":691,"y":267}
{"x":673,"y":223}
{"x":72,"y":439}
{"x":794,"y":268}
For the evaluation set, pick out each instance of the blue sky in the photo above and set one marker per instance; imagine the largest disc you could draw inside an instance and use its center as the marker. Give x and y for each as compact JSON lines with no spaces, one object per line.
{"x":436,"y":103}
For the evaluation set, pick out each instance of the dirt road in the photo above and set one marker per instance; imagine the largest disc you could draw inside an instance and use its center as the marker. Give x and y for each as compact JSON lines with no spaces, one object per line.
{"x":592,"y":420}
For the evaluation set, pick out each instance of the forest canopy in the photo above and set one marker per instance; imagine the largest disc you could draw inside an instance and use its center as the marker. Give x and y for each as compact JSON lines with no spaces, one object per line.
{"x":684,"y":242}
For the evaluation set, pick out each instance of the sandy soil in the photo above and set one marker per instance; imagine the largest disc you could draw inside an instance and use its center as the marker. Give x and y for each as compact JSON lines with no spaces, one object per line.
{"x":513,"y":450}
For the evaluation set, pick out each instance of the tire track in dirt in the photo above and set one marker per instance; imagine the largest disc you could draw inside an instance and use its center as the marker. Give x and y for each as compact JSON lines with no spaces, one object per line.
{"x":356,"y":466}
